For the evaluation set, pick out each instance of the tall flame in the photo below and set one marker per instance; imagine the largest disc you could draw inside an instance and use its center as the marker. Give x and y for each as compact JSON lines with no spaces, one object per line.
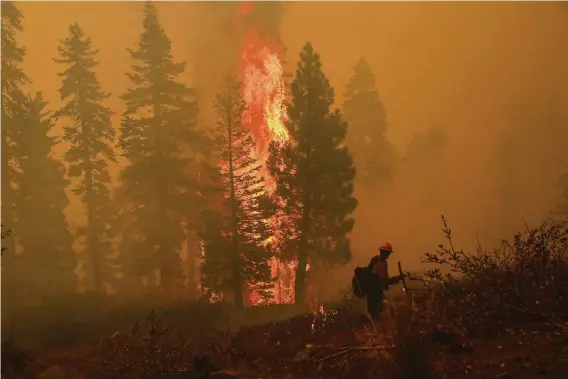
{"x":264,"y":92}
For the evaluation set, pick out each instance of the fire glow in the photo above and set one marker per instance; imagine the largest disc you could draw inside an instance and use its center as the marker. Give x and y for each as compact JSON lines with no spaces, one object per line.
{"x":262,"y":76}
{"x":264,"y":93}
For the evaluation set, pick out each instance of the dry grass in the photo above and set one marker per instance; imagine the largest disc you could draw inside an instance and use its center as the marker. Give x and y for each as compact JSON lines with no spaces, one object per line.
{"x":444,"y":335}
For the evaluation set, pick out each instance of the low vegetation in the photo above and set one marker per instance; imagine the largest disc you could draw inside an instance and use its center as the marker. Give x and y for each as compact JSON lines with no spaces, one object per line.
{"x":500,"y":313}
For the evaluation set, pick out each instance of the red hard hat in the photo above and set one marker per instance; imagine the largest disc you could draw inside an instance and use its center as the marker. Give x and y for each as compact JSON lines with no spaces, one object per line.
{"x":386,"y":246}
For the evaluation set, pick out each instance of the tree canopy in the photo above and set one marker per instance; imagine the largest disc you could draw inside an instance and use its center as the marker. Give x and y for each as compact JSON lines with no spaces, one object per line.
{"x":373,"y":155}
{"x":91,"y":139}
{"x":48,"y":259}
{"x":314,"y":172}
{"x":236,"y":255}
{"x":159,"y":138}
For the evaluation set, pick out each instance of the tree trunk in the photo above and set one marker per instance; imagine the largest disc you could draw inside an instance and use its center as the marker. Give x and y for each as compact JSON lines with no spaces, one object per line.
{"x":192,"y":251}
{"x":9,"y":243}
{"x":300,"y":280}
{"x":92,"y":227}
{"x":237,"y":272}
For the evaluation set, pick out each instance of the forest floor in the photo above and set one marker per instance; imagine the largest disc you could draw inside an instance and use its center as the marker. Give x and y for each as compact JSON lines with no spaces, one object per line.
{"x":505,"y":317}
{"x":333,"y":344}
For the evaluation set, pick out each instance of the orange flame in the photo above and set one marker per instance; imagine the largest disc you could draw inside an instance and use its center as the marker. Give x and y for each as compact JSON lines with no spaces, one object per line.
{"x":264,"y":92}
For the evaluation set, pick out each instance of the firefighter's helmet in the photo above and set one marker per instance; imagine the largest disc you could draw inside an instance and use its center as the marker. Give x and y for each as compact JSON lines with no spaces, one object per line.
{"x":386,"y":247}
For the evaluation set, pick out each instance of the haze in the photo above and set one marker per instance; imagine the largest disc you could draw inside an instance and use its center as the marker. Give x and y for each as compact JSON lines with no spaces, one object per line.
{"x":491,"y":75}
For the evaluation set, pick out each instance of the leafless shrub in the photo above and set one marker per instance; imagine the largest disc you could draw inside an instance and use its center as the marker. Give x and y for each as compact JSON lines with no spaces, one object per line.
{"x":151,"y":355}
{"x":402,"y":348}
{"x":524,"y":280}
{"x":4,"y":234}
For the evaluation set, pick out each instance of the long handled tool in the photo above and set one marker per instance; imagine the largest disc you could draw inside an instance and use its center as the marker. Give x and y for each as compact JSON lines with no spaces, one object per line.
{"x":403,"y":280}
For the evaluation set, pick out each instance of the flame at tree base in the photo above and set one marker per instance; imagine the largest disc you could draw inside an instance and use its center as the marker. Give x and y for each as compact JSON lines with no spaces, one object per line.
{"x":264,"y":92}
{"x":260,"y":71}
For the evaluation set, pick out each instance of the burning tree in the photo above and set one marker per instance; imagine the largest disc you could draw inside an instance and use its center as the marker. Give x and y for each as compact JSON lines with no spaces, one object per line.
{"x":260,"y":68}
{"x":314,"y":173}
{"x":235,"y":249}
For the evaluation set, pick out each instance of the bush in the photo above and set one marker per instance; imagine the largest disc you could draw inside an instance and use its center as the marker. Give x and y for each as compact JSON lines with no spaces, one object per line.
{"x":522,"y":281}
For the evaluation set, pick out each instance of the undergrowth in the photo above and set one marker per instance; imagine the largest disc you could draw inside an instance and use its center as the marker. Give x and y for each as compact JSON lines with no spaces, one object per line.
{"x":524,"y":281}
{"x":520,"y":286}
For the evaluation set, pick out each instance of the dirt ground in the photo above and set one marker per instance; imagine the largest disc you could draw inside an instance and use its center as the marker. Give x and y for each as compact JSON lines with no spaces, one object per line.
{"x":328,"y":345}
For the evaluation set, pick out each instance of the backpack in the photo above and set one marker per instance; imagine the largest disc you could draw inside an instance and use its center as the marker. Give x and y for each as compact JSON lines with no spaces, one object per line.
{"x":360,"y":281}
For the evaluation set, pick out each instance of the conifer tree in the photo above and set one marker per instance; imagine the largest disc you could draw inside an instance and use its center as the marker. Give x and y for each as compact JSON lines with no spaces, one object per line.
{"x":314,"y":172}
{"x":373,"y":155}
{"x":91,"y":137}
{"x":13,"y":77}
{"x":157,"y":130}
{"x":48,"y":259}
{"x":236,"y":253}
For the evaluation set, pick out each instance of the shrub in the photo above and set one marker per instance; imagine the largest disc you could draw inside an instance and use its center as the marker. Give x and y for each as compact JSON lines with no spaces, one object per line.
{"x":522,"y":281}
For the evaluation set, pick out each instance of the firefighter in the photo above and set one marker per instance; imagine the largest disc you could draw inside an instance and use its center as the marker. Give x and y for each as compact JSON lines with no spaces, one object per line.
{"x":379,"y":280}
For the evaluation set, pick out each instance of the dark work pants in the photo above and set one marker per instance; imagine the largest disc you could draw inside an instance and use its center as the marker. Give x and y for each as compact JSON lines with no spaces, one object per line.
{"x":375,"y":297}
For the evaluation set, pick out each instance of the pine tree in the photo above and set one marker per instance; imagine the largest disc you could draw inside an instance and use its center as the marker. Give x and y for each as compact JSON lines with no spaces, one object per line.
{"x":91,"y":138}
{"x":13,"y":78}
{"x":236,"y":253}
{"x":133,"y":267}
{"x":157,"y":129}
{"x":373,"y":155}
{"x":314,"y":173}
{"x":12,"y":98}
{"x":43,"y":234}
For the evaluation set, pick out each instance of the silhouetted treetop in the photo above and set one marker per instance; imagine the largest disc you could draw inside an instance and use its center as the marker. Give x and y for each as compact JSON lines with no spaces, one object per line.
{"x":91,"y":139}
{"x":160,"y":139}
{"x":156,"y":68}
{"x":374,"y":156}
{"x":314,"y":172}
{"x":362,"y":98}
{"x":12,"y":54}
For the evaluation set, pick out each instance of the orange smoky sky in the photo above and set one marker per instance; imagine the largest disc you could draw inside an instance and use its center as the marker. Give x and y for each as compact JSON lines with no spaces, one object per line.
{"x":490,"y":74}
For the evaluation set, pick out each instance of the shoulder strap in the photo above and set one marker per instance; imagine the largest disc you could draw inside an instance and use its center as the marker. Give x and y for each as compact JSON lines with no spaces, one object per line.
{"x":381,"y":269}
{"x":373,"y":261}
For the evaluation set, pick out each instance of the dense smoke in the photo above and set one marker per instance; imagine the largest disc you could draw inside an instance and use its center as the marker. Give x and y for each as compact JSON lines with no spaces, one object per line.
{"x":497,"y":89}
